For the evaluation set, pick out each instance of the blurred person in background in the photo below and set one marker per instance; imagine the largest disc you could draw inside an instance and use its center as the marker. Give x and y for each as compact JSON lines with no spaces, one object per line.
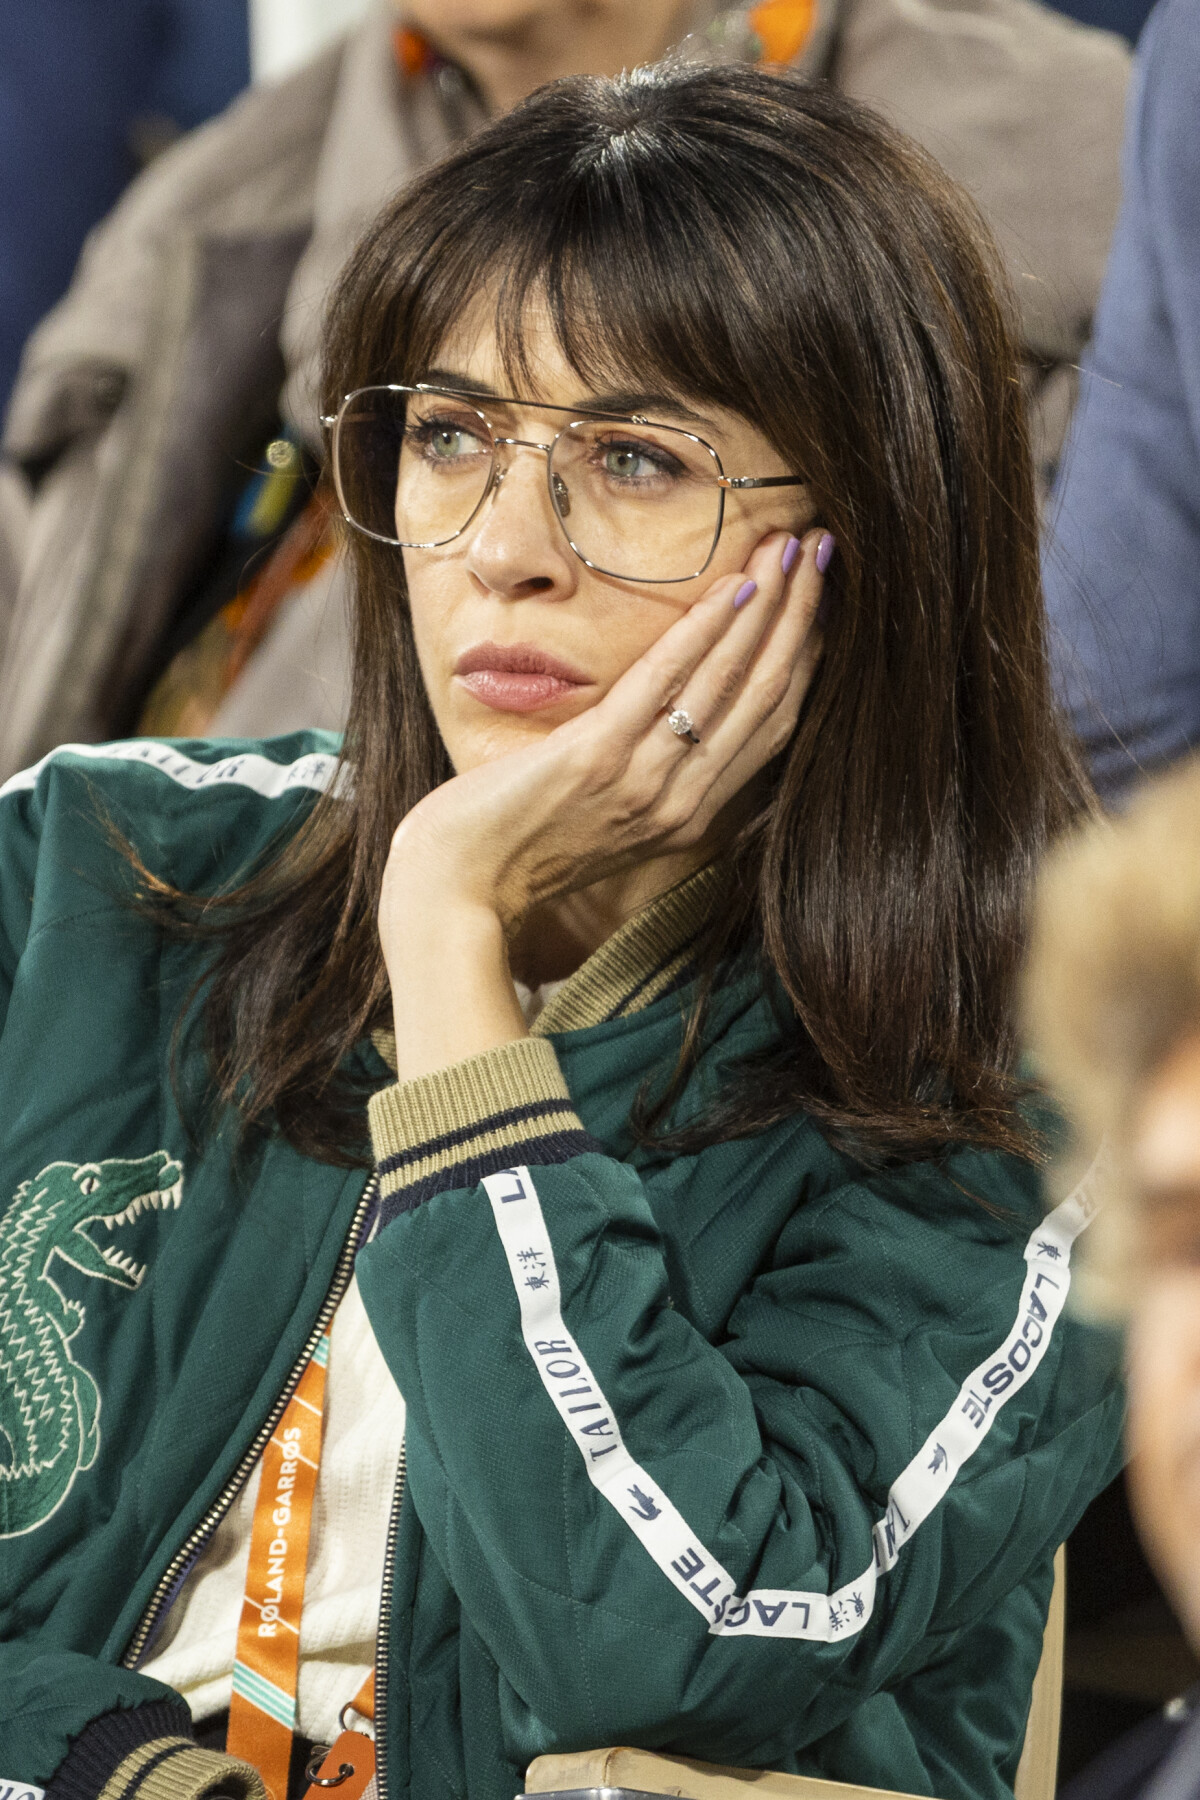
{"x":170,"y":564}
{"x":1125,"y":16}
{"x":1113,"y":1002}
{"x":88,"y":95}
{"x":1122,"y":565}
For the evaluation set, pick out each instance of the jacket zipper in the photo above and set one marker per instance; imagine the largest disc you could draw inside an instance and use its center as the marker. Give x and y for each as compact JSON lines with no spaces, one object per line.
{"x":195,"y":1539}
{"x":385,"y":1625}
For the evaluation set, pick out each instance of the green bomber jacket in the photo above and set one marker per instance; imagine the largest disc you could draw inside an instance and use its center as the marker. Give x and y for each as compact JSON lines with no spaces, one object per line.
{"x":749,"y":1454}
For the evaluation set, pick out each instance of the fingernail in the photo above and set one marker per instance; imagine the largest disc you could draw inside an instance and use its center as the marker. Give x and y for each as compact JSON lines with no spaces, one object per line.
{"x":825,"y":550}
{"x":791,"y":551}
{"x":746,"y":592}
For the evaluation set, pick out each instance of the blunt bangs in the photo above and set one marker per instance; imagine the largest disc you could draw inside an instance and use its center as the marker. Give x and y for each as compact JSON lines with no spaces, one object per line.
{"x":629,"y":225}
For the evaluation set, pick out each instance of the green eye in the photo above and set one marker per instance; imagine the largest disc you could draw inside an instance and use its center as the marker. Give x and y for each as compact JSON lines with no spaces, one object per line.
{"x":625,"y":463}
{"x":445,"y":440}
{"x":629,"y":463}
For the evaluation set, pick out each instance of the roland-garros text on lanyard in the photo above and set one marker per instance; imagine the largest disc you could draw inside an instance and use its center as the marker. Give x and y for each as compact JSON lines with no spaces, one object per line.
{"x":266,"y":1670}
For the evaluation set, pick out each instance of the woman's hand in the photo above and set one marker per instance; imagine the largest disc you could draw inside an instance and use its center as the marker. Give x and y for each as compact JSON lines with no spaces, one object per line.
{"x":608,"y":790}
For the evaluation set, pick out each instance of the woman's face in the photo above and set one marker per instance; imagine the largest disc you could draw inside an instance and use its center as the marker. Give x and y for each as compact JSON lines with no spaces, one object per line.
{"x":514,"y":633}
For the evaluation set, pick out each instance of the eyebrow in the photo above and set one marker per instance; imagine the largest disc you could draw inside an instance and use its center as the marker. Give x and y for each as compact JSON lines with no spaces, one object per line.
{"x":629,"y":402}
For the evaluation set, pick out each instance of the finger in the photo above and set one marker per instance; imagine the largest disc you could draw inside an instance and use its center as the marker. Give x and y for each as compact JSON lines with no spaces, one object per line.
{"x":754,"y":753}
{"x":690,"y":782}
{"x":741,"y":745}
{"x":720,"y":670}
{"x":718,"y":677}
{"x":736,"y":687}
{"x":651,"y":685}
{"x":767,"y":634}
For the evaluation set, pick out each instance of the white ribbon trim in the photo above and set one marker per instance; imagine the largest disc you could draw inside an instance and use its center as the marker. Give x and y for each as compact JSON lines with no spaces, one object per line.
{"x":663,"y":1531}
{"x":246,"y":769}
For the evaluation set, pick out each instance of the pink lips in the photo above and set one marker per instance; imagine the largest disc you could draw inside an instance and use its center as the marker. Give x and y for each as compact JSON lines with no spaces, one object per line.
{"x":516,"y":677}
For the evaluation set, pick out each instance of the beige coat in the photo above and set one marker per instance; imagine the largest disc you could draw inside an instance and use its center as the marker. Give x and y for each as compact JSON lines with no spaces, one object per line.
{"x":199,"y":300}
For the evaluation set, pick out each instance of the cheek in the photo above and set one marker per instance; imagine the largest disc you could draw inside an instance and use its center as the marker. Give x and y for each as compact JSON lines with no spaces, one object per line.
{"x":632,"y":630}
{"x":426,"y":606}
{"x":434,"y":598}
{"x":1164,"y":1432}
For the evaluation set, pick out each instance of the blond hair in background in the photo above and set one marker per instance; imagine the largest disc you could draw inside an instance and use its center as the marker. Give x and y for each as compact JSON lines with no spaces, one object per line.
{"x":1112,"y":984}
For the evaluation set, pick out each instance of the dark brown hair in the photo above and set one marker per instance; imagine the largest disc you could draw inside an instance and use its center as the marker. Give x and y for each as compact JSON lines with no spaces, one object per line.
{"x":769,"y":246}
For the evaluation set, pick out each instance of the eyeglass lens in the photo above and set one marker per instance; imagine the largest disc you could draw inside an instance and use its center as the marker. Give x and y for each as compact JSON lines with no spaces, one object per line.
{"x":636,"y":501}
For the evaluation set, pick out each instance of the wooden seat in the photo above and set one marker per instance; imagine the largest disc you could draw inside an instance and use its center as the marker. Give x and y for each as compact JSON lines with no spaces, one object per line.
{"x":646,"y":1772}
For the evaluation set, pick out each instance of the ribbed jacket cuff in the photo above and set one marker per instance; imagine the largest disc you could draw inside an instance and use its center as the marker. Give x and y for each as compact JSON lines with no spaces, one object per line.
{"x":147,"y":1753}
{"x":450,"y":1129}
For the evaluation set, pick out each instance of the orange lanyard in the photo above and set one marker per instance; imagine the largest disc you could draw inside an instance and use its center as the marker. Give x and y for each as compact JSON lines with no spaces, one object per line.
{"x":266,"y":1670}
{"x":262,"y":1711}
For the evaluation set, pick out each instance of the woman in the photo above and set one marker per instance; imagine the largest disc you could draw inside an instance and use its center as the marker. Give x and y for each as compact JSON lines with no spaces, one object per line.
{"x":741,"y":1420}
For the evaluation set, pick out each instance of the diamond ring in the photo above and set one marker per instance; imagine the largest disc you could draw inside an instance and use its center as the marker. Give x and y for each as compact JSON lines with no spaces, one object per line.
{"x":681,"y":724}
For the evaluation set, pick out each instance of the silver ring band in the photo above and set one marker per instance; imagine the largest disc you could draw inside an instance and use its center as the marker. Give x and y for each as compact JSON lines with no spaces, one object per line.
{"x":681,"y":724}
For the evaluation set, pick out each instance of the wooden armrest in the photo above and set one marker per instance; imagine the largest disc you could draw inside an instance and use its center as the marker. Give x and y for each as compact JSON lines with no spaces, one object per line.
{"x":1037,"y":1772}
{"x":679,"y":1775}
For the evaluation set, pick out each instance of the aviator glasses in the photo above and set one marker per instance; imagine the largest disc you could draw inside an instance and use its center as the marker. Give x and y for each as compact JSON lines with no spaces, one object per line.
{"x":643,"y":502}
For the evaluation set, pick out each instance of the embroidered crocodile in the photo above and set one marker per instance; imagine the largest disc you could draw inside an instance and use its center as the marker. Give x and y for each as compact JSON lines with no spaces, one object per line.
{"x":49,"y":1404}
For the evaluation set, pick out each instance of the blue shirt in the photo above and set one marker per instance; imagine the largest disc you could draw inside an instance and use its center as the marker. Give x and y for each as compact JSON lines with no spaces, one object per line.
{"x":1122,"y":559}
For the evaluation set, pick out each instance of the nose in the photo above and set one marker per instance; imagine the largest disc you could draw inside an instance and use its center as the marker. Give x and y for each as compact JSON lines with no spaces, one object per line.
{"x":517,"y":548}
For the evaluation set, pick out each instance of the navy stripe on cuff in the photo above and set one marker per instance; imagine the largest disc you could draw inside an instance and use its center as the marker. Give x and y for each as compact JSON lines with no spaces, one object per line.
{"x":104,"y":1743}
{"x":560,"y":1147}
{"x":513,"y":1115}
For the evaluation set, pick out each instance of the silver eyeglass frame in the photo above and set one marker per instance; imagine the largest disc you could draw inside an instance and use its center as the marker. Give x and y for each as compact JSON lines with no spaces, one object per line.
{"x":724,"y":483}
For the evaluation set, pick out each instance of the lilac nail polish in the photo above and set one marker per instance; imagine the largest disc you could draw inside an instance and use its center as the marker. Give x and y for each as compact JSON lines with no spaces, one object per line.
{"x":791,"y":551}
{"x":825,"y":550}
{"x":746,"y":592}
